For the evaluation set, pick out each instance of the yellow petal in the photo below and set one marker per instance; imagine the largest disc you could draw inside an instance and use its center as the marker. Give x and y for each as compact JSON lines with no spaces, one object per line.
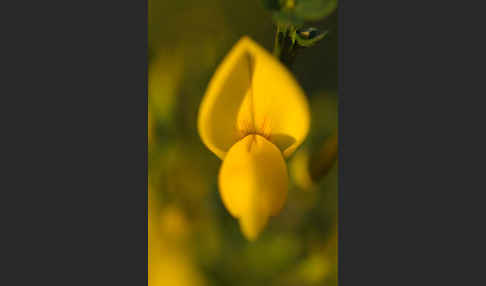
{"x":280,"y":105}
{"x":252,"y":92}
{"x":253,"y":183}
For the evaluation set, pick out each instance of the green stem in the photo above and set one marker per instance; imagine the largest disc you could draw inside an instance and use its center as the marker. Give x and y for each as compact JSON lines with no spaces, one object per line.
{"x":284,"y":48}
{"x":276,"y":44}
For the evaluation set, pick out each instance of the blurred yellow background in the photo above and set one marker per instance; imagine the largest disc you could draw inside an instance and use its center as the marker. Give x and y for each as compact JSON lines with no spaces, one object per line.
{"x":192,"y":239}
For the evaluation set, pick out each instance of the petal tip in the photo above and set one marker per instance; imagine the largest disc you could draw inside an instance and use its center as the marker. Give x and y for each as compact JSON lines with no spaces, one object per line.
{"x":250,"y":235}
{"x":245,"y":40}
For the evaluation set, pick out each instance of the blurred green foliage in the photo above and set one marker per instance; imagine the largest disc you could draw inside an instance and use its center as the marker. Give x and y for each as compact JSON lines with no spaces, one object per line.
{"x":298,"y":12}
{"x":192,"y":238}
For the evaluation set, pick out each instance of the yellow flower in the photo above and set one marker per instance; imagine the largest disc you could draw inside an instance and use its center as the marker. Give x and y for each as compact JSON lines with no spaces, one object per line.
{"x":253,"y":115}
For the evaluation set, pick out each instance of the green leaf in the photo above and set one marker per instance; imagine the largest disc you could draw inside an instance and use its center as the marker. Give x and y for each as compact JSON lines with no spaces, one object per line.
{"x":312,"y":10}
{"x":309,"y":36}
{"x":299,"y":11}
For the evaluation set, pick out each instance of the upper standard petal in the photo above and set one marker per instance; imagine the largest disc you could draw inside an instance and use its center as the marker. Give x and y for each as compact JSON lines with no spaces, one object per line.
{"x":251,"y":92}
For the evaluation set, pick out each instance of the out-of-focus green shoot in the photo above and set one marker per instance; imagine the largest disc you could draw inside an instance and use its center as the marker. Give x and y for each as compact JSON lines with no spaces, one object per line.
{"x":324,"y":158}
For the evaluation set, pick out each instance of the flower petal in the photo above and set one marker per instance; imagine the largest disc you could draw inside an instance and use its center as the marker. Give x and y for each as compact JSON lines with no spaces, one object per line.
{"x":253,"y":183}
{"x":226,"y":99}
{"x":252,"y":92}
{"x":280,"y":105}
